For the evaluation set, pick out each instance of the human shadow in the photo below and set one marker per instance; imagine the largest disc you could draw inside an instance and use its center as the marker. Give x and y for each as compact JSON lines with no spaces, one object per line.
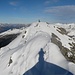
{"x":45,"y":68}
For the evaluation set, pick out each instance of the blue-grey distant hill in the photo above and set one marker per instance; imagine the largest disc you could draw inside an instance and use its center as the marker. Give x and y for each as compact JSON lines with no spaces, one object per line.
{"x":5,"y":27}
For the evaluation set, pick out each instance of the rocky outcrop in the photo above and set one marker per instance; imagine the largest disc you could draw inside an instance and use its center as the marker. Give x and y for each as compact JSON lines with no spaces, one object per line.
{"x":68,"y":54}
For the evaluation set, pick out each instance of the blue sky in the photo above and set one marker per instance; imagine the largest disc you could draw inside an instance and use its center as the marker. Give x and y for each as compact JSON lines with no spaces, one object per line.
{"x":28,"y":11}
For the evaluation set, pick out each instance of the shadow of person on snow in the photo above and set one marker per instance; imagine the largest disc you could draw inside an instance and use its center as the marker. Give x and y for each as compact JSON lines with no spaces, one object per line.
{"x":45,"y":68}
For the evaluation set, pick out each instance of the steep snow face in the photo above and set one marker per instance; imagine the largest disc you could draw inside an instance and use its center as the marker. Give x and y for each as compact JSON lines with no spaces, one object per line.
{"x":23,"y":53}
{"x":55,"y":55}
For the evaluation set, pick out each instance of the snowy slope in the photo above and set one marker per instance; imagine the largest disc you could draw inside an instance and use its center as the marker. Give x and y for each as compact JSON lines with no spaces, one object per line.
{"x":23,"y":53}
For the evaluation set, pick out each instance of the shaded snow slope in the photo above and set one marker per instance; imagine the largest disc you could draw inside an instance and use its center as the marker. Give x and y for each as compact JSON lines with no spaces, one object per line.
{"x":23,"y":52}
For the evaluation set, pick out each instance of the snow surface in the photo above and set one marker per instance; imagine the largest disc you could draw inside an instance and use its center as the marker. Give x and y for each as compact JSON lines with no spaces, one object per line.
{"x":23,"y":51}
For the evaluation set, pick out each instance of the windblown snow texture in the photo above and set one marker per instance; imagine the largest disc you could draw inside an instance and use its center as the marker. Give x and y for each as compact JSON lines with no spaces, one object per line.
{"x":33,"y":52}
{"x":45,"y":68}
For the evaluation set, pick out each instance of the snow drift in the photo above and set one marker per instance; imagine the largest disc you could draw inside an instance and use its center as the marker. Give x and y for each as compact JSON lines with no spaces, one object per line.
{"x":22,"y":54}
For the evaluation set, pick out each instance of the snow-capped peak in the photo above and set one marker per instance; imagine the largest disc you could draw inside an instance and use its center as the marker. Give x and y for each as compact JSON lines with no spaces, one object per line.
{"x":22,"y":54}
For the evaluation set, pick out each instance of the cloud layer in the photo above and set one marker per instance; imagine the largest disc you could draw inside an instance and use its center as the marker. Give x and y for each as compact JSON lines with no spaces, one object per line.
{"x":13,"y":3}
{"x":51,"y":1}
{"x":67,"y":10}
{"x":62,"y":12}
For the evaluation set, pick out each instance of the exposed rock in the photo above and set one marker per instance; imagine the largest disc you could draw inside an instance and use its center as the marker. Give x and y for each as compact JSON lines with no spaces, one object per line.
{"x":63,"y":49}
{"x":62,"y":30}
{"x":6,"y":39}
{"x":10,"y":61}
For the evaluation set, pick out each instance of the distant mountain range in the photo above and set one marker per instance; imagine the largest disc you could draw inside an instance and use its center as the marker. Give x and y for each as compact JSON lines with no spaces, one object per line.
{"x":4,"y":27}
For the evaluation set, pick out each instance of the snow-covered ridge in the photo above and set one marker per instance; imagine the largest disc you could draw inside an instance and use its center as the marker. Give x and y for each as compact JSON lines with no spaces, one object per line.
{"x":23,"y":52}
